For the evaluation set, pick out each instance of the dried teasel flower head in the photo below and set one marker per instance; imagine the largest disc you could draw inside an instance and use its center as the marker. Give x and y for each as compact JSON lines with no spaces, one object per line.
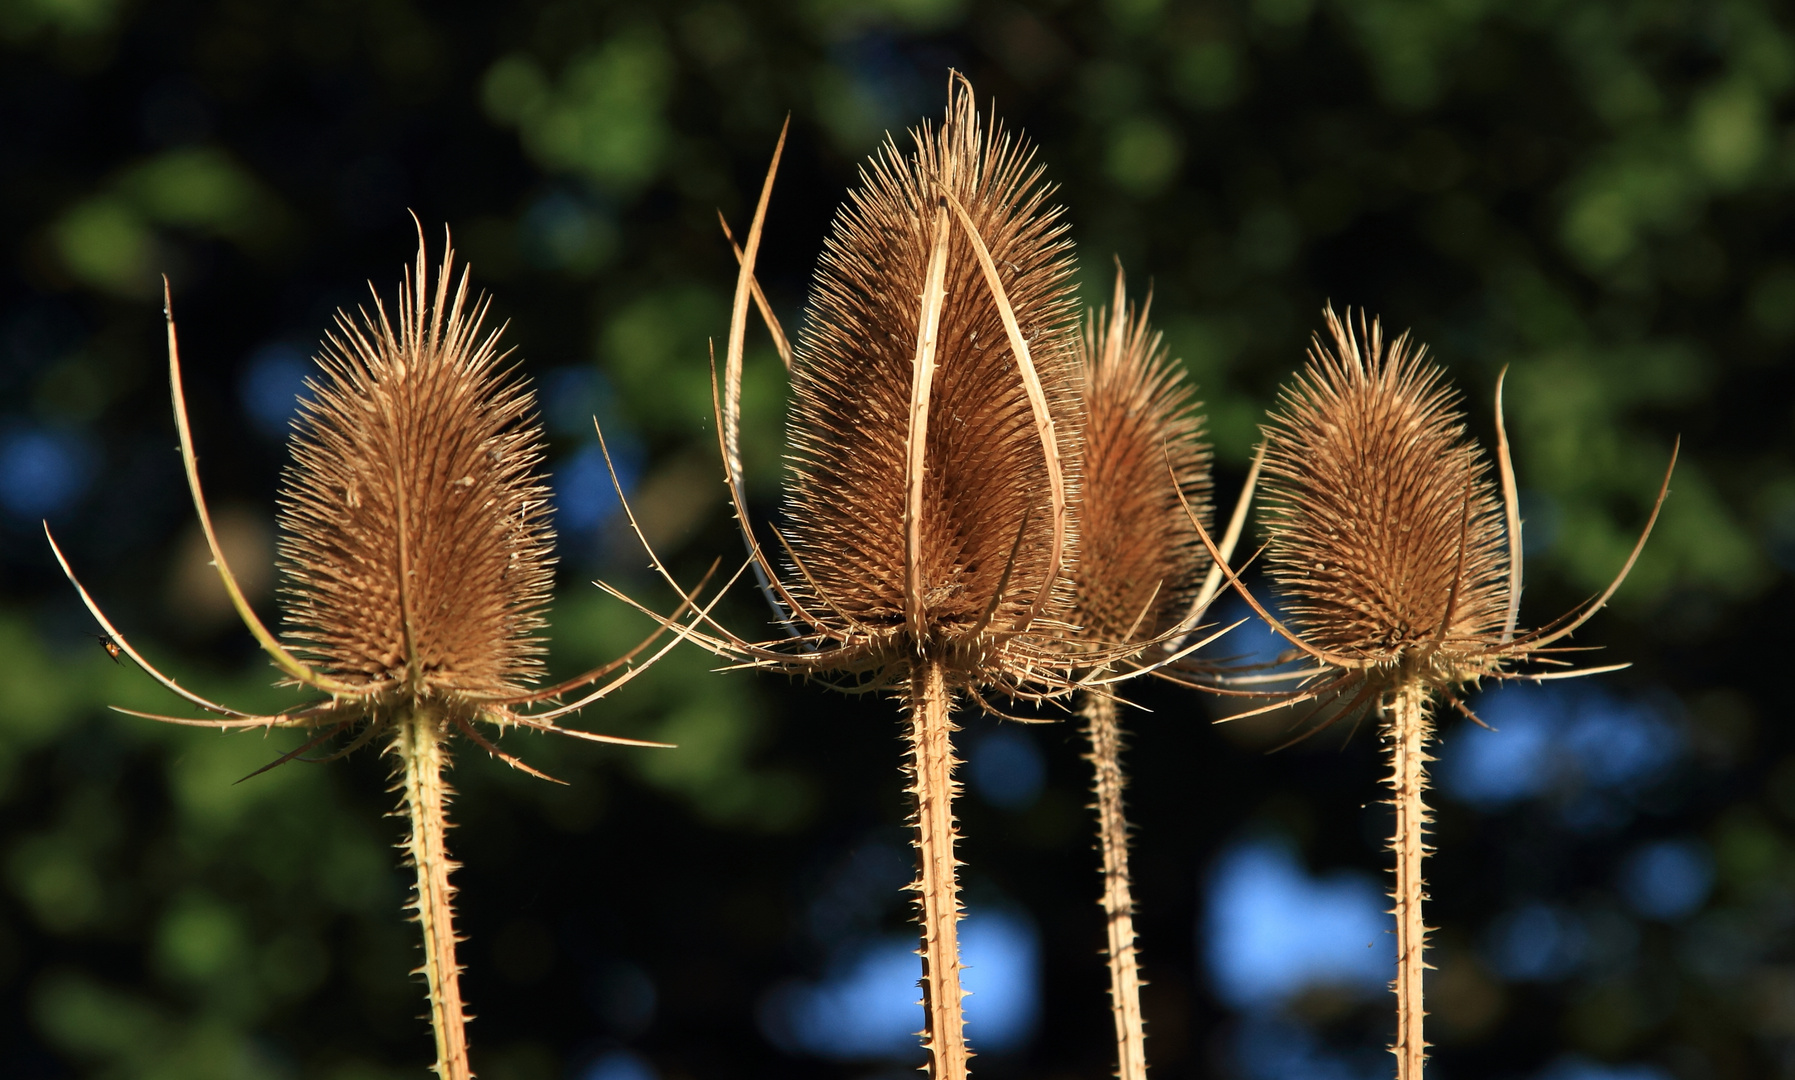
{"x":1401,"y":572}
{"x":934,"y":429}
{"x":1141,"y":563}
{"x":418,"y":562}
{"x":1397,"y":558}
{"x":416,"y":542}
{"x":920,"y":536}
{"x":1384,"y":523}
{"x":934,"y":438}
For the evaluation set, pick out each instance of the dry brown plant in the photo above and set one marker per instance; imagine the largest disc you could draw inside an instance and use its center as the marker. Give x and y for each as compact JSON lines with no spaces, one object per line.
{"x":1141,"y":568}
{"x":1399,"y":564}
{"x":417,"y":563}
{"x":934,"y":438}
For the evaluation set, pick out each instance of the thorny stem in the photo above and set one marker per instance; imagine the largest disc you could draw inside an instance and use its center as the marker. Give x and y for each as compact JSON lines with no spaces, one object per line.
{"x":1118,"y":897}
{"x":1407,"y":727}
{"x":937,"y":885}
{"x":419,"y":744}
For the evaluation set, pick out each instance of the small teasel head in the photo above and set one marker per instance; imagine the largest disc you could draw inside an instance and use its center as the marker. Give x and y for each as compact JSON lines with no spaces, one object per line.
{"x":1141,"y":562}
{"x":416,"y":545}
{"x":1384,"y":524}
{"x":1397,"y":556}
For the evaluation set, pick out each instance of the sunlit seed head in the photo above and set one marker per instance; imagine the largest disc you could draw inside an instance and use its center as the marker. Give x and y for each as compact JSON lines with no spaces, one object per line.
{"x":1385,"y":531}
{"x":1140,"y":559}
{"x":416,"y":548}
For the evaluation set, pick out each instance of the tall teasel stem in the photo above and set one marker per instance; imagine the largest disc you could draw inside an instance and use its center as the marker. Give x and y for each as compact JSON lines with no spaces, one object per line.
{"x":418,"y":741}
{"x":1407,"y":727}
{"x":937,"y":884}
{"x":1105,"y":734}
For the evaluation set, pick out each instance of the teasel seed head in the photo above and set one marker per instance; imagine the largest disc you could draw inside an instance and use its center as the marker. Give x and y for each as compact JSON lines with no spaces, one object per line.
{"x":416,"y":544}
{"x":935,"y":427}
{"x":1141,"y":561}
{"x":1385,"y":529}
{"x":1398,"y":561}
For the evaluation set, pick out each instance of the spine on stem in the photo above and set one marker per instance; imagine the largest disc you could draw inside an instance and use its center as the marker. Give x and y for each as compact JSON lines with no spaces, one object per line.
{"x":419,"y":744}
{"x":937,"y":884}
{"x":1118,"y":893}
{"x":1407,"y":728}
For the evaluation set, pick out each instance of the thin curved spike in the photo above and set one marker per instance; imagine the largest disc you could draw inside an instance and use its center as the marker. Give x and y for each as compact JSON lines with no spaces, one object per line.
{"x":815,"y":587}
{"x":1173,"y":658}
{"x":1511,"y":505}
{"x":1359,"y":699}
{"x":125,"y":647}
{"x":239,"y":722}
{"x":922,"y":383}
{"x":730,"y":408}
{"x":1037,"y":400}
{"x":511,"y":760}
{"x":1293,"y":699}
{"x":785,"y":607}
{"x":1282,"y":676}
{"x":291,"y":754}
{"x":367,"y":736}
{"x":283,"y":659}
{"x":618,"y":683}
{"x":1454,"y":700}
{"x":605,"y":669}
{"x":1212,"y":581}
{"x":1458,"y":571}
{"x":1003,"y":580}
{"x":534,"y":724}
{"x":1548,"y":676}
{"x":1600,"y":601}
{"x":726,"y":646}
{"x":986,"y":707}
{"x":780,"y":341}
{"x":1247,"y":595}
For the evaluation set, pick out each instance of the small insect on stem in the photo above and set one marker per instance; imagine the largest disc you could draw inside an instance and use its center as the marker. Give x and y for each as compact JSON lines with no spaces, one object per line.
{"x":110,"y":646}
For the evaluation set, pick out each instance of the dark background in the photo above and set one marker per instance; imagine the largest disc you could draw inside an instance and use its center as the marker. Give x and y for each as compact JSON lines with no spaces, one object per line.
{"x":1595,"y":194}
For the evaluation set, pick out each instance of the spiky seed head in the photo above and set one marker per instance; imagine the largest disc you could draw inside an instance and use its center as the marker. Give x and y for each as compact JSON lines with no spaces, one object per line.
{"x":1141,"y":560}
{"x":1382,"y":517}
{"x":986,"y":508}
{"x":416,"y":548}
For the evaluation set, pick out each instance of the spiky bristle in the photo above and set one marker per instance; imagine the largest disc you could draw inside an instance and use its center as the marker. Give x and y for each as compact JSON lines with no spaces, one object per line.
{"x":1139,"y":554}
{"x":986,"y":490}
{"x":416,"y":544}
{"x":1382,"y":515}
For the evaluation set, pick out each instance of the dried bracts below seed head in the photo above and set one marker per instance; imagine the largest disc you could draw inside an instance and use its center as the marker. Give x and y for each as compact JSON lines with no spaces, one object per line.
{"x":1384,"y":524}
{"x":416,"y":541}
{"x":1141,"y":562}
{"x":933,"y":447}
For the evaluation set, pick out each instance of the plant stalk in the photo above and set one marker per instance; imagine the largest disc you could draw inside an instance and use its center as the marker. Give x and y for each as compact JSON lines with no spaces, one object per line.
{"x":1105,"y":734}
{"x":937,"y":885}
{"x":419,"y":744}
{"x":1407,"y":727}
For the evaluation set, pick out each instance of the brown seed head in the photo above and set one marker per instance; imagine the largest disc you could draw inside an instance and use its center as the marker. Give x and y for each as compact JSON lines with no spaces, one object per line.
{"x":416,"y":545}
{"x":987,"y":520}
{"x":1140,"y":559}
{"x":1386,"y":535}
